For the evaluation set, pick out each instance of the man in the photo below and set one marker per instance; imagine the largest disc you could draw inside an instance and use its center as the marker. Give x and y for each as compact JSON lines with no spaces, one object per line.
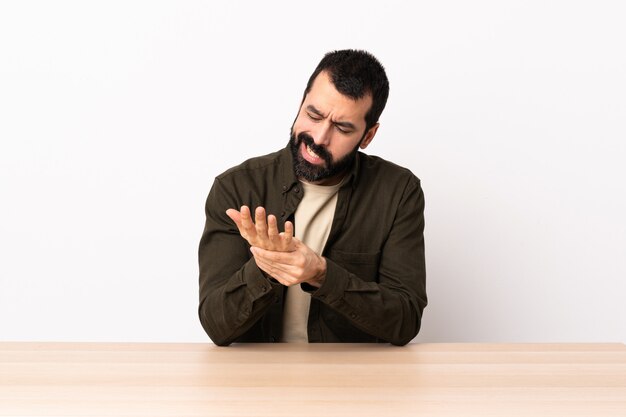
{"x":349,"y":264}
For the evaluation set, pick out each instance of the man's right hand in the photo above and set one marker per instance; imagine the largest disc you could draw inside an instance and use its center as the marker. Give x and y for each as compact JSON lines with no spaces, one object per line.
{"x":262,"y":233}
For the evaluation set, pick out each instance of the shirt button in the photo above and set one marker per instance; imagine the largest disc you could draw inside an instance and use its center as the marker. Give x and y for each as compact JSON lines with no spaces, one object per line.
{"x":284,"y":188}
{"x":282,"y":214}
{"x":353,"y":315}
{"x":297,"y":190}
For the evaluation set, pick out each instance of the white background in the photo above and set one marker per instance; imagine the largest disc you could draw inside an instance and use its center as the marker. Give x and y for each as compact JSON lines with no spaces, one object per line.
{"x":116,"y":116}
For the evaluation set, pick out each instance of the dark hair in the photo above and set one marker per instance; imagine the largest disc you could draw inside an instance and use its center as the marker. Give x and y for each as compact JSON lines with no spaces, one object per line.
{"x":355,"y":73}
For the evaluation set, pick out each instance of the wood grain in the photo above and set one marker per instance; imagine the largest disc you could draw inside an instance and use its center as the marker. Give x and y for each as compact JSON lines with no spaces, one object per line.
{"x":135,"y":379}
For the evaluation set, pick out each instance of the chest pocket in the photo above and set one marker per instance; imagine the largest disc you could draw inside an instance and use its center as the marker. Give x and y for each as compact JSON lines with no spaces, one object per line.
{"x":363,"y":265}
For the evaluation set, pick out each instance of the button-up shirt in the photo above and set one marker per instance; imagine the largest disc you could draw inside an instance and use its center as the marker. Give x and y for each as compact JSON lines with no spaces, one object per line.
{"x":374,"y":289}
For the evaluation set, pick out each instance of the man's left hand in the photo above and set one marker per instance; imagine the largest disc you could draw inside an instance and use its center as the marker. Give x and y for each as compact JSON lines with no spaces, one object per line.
{"x":291,"y":268}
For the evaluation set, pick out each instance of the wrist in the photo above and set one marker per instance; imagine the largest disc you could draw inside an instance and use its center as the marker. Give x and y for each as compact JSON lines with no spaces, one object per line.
{"x":320,"y":275}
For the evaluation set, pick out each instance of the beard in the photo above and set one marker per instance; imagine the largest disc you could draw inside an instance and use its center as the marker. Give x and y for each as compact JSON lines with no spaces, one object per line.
{"x":307,"y":171}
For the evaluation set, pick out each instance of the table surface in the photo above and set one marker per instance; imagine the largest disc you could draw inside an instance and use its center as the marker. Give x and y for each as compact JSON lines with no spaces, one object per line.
{"x":154,"y":379}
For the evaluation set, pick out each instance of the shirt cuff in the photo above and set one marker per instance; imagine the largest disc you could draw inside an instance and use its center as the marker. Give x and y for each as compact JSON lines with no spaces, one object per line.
{"x":257,"y":282}
{"x":334,"y":284}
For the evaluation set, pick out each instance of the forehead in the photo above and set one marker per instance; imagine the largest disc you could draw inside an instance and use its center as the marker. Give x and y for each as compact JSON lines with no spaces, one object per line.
{"x":325,"y":98}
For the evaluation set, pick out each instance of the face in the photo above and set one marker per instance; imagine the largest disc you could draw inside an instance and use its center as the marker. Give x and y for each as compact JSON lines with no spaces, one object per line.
{"x":328,"y":132}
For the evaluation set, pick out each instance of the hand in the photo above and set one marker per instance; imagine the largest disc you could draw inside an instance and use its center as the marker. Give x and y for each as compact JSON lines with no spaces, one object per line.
{"x":262,"y":234}
{"x":291,"y":268}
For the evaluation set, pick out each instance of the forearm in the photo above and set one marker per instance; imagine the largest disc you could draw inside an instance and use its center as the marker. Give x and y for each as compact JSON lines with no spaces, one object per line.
{"x":390,"y":313}
{"x":381,"y":290}
{"x":228,"y":308}
{"x":234,"y":293}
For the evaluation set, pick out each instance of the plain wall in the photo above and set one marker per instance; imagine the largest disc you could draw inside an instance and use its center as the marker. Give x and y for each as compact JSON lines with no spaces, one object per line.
{"x":116,"y":116}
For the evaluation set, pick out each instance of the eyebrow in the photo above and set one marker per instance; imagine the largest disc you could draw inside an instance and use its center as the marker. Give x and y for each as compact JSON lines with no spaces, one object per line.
{"x":346,"y":125}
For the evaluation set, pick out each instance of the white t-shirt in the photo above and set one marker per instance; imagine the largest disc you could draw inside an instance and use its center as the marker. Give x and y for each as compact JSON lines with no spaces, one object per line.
{"x":313,"y":220}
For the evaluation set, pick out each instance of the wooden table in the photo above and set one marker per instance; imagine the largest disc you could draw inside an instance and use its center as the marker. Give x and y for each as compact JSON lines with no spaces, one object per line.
{"x":133,"y":379}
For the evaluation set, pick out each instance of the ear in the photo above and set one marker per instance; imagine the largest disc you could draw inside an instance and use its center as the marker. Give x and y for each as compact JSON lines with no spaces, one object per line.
{"x":369,"y":136}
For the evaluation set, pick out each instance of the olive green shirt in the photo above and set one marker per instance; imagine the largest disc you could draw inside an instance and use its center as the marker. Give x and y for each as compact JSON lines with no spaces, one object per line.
{"x":374,"y":290}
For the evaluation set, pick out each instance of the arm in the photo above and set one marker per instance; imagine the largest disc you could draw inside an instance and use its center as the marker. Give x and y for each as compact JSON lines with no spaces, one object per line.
{"x":390,"y":308}
{"x":234,"y":293}
{"x":386,"y":299}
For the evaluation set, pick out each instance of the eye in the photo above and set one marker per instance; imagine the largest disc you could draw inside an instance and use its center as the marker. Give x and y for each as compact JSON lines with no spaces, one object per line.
{"x":345,"y":132}
{"x":314,"y":117}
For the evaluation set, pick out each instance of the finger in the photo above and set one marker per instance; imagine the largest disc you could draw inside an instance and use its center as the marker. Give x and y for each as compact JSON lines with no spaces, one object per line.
{"x":280,"y":276}
{"x":288,"y":229}
{"x":288,"y":236}
{"x":273,"y":256}
{"x":246,"y":222}
{"x":287,"y":274}
{"x":260,"y":224}
{"x":287,"y":266}
{"x":272,"y":230}
{"x":235,"y":216}
{"x":265,"y":255}
{"x":265,"y":266}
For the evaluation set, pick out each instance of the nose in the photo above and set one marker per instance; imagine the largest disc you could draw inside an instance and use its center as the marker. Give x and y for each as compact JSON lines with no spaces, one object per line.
{"x":322,"y":134}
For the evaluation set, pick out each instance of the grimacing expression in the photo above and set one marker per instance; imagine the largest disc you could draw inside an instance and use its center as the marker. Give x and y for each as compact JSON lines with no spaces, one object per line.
{"x":329,"y":130}
{"x":313,"y":173}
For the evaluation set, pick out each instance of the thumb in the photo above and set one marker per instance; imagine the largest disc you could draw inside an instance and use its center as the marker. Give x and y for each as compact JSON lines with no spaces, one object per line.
{"x":234,"y":216}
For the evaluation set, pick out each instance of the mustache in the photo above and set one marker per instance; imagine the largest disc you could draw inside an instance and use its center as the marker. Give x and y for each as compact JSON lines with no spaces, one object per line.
{"x":319,"y":150}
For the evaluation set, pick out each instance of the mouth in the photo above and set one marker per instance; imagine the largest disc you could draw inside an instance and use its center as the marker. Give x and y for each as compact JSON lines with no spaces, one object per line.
{"x":309,"y":155}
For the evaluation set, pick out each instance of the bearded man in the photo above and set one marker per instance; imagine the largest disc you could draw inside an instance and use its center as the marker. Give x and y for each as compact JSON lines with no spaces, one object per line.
{"x":318,"y":242}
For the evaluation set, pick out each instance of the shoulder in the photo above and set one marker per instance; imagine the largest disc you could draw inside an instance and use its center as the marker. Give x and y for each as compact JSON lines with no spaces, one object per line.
{"x":386,"y":187}
{"x":374,"y":169}
{"x":254,"y":167}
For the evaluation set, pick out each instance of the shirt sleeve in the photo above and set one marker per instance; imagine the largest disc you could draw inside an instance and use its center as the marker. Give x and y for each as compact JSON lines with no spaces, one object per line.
{"x":234,"y":293}
{"x":391,"y":307}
